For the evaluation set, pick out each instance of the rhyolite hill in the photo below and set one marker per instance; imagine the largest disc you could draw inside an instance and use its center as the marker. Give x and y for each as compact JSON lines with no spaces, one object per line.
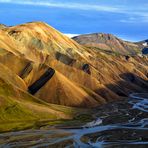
{"x":109,"y":43}
{"x":46,"y":75}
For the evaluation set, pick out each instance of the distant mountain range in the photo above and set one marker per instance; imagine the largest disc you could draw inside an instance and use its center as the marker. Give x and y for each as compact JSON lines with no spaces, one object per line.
{"x":110,"y":43}
{"x":144,"y":46}
{"x":46,"y":75}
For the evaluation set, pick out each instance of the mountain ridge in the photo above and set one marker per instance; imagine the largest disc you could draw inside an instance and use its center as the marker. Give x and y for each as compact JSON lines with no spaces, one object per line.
{"x":83,"y":77}
{"x":108,"y":42}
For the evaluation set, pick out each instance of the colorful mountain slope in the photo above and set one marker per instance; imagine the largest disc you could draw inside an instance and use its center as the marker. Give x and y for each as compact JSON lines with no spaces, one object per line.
{"x":37,"y":46}
{"x":40,"y":66}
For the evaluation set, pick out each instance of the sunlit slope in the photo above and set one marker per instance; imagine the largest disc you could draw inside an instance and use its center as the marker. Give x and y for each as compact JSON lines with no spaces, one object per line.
{"x":83,"y":77}
{"x":12,"y":87}
{"x":37,"y":66}
{"x":19,"y":109}
{"x":40,"y":39}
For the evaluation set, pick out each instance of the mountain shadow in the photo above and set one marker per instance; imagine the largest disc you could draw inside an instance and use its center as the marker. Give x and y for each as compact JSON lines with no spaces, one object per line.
{"x":41,"y":81}
{"x":130,"y":83}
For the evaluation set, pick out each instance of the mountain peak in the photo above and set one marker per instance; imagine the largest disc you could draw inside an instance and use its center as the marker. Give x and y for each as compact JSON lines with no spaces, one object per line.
{"x":40,"y":37}
{"x":107,"y":42}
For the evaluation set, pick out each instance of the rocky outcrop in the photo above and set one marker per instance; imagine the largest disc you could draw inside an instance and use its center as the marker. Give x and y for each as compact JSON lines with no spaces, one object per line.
{"x":41,"y":81}
{"x":26,"y":71}
{"x":65,"y":59}
{"x":86,"y":68}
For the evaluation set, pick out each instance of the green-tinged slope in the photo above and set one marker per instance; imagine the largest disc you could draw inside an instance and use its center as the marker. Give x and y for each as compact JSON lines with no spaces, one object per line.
{"x":19,"y":110}
{"x":83,"y":77}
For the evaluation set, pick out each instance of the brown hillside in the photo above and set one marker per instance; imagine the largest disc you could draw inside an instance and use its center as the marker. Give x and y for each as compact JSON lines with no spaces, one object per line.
{"x":108,"y":42}
{"x":82,"y":77}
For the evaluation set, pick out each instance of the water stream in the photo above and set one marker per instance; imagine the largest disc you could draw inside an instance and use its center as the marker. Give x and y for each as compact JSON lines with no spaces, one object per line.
{"x":121,"y":124}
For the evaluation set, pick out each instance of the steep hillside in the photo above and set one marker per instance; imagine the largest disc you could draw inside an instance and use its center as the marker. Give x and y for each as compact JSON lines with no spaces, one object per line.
{"x":19,"y":110}
{"x":36,"y":46}
{"x":40,"y":66}
{"x":40,"y":39}
{"x":108,"y":43}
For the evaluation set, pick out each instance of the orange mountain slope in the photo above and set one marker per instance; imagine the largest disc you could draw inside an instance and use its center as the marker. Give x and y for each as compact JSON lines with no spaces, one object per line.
{"x":56,"y":69}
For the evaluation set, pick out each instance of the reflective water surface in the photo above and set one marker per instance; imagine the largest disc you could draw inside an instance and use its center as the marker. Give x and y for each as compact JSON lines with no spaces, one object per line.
{"x":121,"y":124}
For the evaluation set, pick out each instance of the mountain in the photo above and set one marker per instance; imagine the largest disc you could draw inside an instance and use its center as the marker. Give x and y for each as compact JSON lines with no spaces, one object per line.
{"x":45,"y":75}
{"x":107,"y":43}
{"x":2,"y":26}
{"x":142,"y":44}
{"x":42,"y":46}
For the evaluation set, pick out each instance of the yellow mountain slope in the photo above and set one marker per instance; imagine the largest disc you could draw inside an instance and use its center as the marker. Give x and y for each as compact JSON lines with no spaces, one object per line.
{"x":82,"y":76}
